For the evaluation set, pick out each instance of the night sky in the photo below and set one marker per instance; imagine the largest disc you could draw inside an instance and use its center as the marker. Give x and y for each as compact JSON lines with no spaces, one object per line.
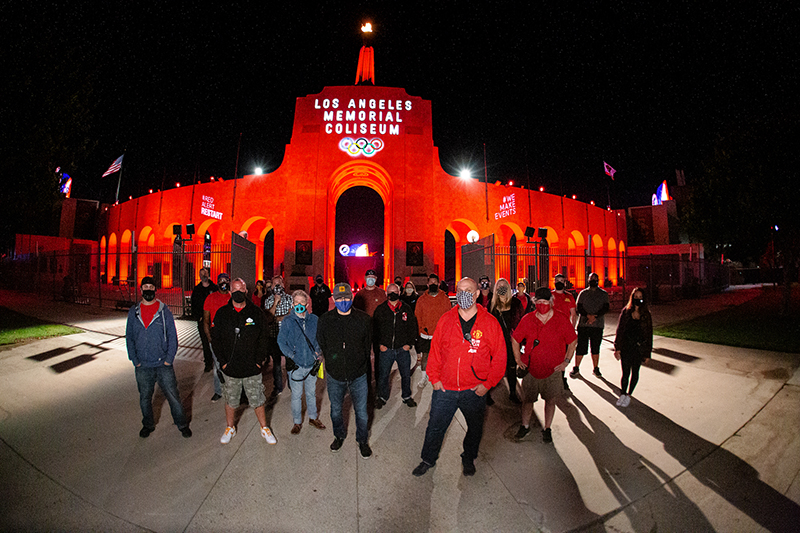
{"x":552,"y":90}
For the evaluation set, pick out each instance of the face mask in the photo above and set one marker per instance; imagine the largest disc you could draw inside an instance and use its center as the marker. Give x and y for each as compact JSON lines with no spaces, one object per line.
{"x":224,"y":286}
{"x":370,"y":282}
{"x":238,"y":297}
{"x":559,"y":285}
{"x":299,"y":309}
{"x":465,"y":299}
{"x":593,"y":283}
{"x":148,"y":295}
{"x":409,"y":291}
{"x":433,"y":288}
{"x":343,"y":305}
{"x":484,"y":285}
{"x":318,"y":281}
{"x":638,"y":302}
{"x":542,"y":309}
{"x":393,"y":296}
{"x":502,"y":290}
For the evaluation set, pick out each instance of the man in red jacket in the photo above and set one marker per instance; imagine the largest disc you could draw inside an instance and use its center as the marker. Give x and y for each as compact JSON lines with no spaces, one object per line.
{"x":468,"y":357}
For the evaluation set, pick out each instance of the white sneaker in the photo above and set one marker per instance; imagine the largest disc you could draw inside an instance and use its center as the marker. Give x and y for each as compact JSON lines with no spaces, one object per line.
{"x":228,"y":435}
{"x":621,"y":401}
{"x":627,"y":401}
{"x":268,"y":436}
{"x":422,"y":380}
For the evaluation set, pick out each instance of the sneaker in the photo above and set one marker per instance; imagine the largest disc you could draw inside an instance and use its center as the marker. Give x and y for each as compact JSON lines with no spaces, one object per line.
{"x":145,"y":432}
{"x":336,"y":445}
{"x":268,"y":436}
{"x":186,"y":432}
{"x":296,"y":429}
{"x":575,"y":373}
{"x":621,"y":401}
{"x":230,"y":432}
{"x":215,"y":398}
{"x":421,"y":469}
{"x":547,"y":435}
{"x":597,"y":372}
{"x":366,"y":451}
{"x":423,"y":380}
{"x":316,"y":423}
{"x":627,"y":401}
{"x":522,"y":432}
{"x":468,"y":468}
{"x":379,"y":402}
{"x":410,"y":402}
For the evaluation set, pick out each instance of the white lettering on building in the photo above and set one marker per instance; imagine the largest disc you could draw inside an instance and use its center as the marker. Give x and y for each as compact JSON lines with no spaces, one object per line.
{"x":363,"y":116}
{"x":207,"y":207}
{"x":507,"y":208}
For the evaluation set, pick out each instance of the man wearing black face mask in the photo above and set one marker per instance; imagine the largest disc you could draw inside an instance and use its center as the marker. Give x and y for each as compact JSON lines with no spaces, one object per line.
{"x":201,"y":291}
{"x":430,"y":308}
{"x":152,"y":342}
{"x":395,"y":330}
{"x":485,"y":295}
{"x":592,"y":305}
{"x":320,"y":297}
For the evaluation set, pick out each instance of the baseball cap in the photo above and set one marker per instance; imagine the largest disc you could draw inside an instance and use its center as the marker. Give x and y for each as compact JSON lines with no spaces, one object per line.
{"x":370,"y":272}
{"x":543,"y":293}
{"x":342,"y":290}
{"x":223,"y":275}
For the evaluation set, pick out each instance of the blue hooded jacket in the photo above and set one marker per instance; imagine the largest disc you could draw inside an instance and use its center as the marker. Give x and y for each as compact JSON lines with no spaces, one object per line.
{"x":292,"y":342}
{"x":154,"y":345}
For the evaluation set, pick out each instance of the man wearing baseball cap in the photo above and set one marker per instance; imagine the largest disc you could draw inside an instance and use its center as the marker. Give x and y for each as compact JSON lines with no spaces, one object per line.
{"x":549,"y":341}
{"x":344,"y":335}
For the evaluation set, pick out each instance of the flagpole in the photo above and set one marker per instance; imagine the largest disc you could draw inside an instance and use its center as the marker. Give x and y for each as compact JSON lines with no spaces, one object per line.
{"x":235,"y":175}
{"x":119,"y":179}
{"x":485,"y":183}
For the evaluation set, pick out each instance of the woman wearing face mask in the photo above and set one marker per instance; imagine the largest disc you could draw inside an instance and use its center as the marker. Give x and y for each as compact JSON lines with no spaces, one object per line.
{"x":409,"y":295}
{"x":259,"y":294}
{"x":508,"y":311}
{"x":298,"y":340}
{"x":633,"y":343}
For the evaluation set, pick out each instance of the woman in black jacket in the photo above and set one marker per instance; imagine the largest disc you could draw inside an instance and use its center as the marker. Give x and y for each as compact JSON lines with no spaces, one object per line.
{"x":508,"y":310}
{"x":633,"y":343}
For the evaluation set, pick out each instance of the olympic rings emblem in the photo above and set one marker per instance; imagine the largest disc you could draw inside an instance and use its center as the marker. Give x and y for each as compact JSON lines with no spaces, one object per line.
{"x":361,"y":146}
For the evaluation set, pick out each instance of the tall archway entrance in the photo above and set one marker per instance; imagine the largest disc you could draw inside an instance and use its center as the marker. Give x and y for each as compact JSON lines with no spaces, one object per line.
{"x":359,"y":174}
{"x":360,"y":235}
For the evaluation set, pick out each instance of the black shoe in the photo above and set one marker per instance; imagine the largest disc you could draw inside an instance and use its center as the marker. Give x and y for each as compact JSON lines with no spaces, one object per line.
{"x":421,"y":469}
{"x":547,"y":435}
{"x":410,"y":402}
{"x":207,"y":368}
{"x":145,"y":432}
{"x":489,"y":401}
{"x":366,"y":451}
{"x":468,"y":467}
{"x":379,"y":402}
{"x":597,"y":372}
{"x":186,"y":432}
{"x":215,"y":398}
{"x":522,"y":432}
{"x":336,"y":445}
{"x":566,"y":385}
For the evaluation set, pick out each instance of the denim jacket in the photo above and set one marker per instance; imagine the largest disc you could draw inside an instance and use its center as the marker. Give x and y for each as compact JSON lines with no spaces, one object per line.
{"x":154,"y":345}
{"x":292,"y":341}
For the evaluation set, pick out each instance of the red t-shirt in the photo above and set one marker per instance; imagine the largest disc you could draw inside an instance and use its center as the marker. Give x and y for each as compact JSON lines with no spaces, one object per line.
{"x":147,"y":312}
{"x":214,"y":301}
{"x":563,"y":302}
{"x":554,"y":336}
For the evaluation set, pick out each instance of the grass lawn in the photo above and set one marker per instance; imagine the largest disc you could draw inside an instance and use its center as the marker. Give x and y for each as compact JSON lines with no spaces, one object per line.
{"x":754,"y":324}
{"x":15,"y":327}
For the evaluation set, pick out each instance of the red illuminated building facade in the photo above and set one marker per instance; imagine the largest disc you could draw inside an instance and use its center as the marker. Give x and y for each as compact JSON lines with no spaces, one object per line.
{"x":375,"y":137}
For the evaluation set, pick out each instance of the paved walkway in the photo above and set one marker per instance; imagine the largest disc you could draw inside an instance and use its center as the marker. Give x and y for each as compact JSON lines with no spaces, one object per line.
{"x":710,"y":443}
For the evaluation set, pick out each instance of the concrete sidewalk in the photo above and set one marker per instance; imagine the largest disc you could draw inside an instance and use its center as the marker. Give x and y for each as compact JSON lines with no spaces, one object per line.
{"x":710,"y":443}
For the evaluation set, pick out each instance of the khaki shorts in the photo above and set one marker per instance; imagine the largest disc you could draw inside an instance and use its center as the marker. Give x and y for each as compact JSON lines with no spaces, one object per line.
{"x":253,"y":388}
{"x":549,"y":388}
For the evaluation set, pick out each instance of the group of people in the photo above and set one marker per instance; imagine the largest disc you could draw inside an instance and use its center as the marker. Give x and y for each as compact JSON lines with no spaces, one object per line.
{"x":463,"y":351}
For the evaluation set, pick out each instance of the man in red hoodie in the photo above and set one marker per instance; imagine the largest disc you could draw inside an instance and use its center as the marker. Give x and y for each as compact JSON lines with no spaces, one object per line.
{"x":468,"y":357}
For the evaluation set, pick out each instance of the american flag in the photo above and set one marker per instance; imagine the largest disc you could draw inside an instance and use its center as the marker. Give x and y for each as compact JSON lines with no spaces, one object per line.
{"x":115,"y":166}
{"x":610,"y":171}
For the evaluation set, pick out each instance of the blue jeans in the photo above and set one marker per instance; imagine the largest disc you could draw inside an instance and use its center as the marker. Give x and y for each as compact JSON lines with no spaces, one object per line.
{"x":146,"y":378}
{"x":444,"y":404}
{"x":385,"y":361}
{"x":310,"y":386}
{"x":358,"y":394}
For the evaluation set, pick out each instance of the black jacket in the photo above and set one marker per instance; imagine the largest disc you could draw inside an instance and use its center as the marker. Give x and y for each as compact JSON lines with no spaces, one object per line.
{"x":346,"y":342}
{"x":243,"y":351}
{"x":394,"y":329}
{"x":199,"y":295}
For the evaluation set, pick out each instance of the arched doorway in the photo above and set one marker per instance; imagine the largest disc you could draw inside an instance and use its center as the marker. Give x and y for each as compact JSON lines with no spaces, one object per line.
{"x":359,"y":222}
{"x":354,"y":174}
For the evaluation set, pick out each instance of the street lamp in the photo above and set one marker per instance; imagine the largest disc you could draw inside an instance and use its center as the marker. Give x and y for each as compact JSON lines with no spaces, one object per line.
{"x":259,"y":171}
{"x":465,"y":174}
